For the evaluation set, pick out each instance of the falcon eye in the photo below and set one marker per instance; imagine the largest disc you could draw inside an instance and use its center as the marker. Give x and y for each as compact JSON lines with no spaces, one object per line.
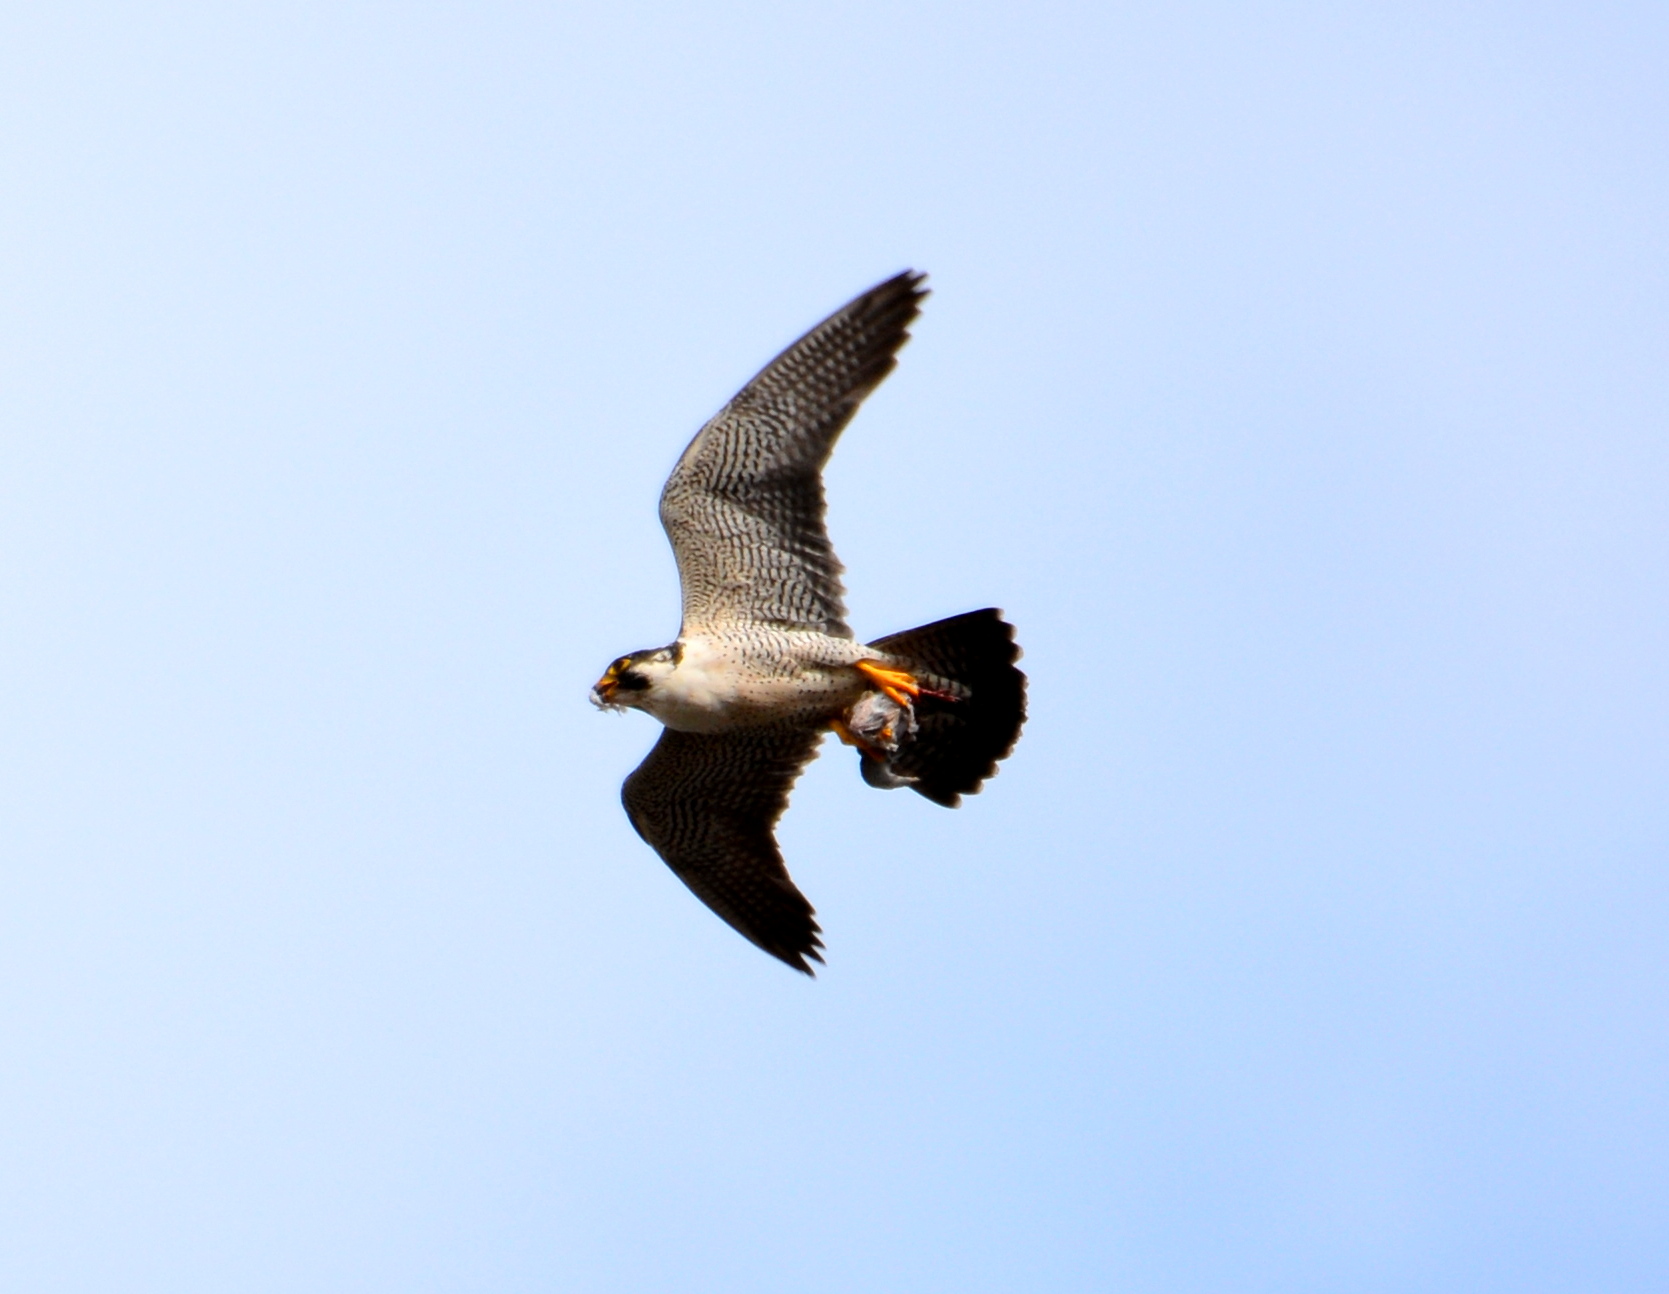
{"x":631,"y":682}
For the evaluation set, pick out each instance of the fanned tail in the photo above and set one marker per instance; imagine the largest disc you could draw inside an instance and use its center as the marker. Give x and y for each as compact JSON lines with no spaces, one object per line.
{"x":954,"y":745}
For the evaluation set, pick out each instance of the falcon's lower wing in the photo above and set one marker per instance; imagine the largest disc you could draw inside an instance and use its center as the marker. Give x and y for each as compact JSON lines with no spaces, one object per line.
{"x":708,"y":804}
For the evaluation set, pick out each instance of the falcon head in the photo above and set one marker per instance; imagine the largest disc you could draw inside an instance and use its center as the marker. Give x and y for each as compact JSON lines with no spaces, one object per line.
{"x":626,"y":683}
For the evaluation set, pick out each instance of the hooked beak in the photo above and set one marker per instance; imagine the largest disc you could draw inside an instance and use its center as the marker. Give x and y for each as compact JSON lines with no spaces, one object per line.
{"x":602,"y":695}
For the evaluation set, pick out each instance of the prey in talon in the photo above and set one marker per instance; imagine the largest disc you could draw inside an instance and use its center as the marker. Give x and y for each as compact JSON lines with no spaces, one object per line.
{"x":879,"y":726}
{"x":764,"y":663}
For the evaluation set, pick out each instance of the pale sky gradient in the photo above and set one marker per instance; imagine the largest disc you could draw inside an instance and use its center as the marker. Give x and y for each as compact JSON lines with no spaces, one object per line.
{"x":1295,"y":376}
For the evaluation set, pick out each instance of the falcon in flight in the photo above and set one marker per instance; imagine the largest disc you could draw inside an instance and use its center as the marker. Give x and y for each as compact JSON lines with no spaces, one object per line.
{"x":765,"y":664}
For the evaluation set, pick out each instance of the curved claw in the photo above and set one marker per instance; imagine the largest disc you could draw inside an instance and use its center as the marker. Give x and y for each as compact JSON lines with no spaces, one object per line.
{"x":900,"y":686}
{"x":851,"y":738}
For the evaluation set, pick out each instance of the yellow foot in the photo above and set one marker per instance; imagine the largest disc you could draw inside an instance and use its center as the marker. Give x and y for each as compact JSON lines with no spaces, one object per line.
{"x":852,"y":739}
{"x":900,"y":686}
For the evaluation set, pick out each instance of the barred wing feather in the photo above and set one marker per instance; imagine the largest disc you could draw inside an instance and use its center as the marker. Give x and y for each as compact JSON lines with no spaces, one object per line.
{"x":708,"y":804}
{"x":744,"y":507}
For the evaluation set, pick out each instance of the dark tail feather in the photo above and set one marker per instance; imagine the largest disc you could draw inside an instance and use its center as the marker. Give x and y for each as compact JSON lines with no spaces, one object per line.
{"x":957,"y":743}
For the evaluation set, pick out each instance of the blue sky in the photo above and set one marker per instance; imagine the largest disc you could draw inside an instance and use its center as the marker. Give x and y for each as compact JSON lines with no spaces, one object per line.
{"x":1294,"y":377}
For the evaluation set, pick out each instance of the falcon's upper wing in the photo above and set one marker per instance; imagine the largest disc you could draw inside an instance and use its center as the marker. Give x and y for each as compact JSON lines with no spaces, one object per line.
{"x":707,"y":804}
{"x":744,"y":506}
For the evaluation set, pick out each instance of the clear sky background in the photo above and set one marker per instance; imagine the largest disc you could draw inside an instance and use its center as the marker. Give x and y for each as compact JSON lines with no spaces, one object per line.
{"x":1295,"y":376}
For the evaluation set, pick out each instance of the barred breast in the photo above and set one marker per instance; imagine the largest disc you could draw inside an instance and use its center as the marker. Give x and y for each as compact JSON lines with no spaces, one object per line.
{"x":754,"y":676}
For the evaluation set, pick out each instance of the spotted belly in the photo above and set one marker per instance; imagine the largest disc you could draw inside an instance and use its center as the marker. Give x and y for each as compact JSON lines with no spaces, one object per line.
{"x":719,"y":686}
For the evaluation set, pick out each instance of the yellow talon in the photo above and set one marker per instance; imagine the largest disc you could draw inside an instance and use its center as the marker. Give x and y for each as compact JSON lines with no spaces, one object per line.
{"x":852,"y":739}
{"x":900,"y":686}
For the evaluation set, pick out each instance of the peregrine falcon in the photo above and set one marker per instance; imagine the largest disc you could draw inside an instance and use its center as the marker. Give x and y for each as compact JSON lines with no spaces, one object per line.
{"x":765,"y":664}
